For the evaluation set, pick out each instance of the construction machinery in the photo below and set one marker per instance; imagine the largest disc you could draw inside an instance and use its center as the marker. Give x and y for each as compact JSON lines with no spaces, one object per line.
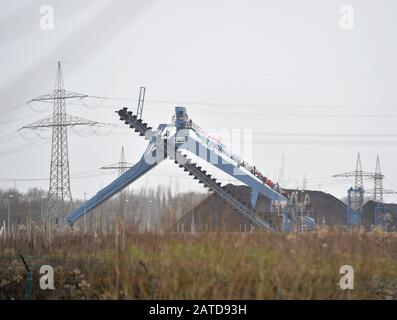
{"x":175,"y":141}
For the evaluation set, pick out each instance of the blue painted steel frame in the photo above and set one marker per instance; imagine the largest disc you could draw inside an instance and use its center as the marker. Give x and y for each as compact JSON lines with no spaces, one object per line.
{"x":223,"y":163}
{"x":113,"y":188}
{"x":143,"y":166}
{"x":132,"y":174}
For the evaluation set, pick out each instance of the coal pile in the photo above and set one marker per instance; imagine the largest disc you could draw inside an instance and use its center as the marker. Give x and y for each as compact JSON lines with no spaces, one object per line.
{"x":212,"y":214}
{"x":324,"y":207}
{"x":369,"y":214}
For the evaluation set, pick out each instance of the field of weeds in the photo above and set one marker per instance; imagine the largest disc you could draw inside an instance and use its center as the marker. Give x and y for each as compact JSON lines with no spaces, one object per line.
{"x":131,"y":265}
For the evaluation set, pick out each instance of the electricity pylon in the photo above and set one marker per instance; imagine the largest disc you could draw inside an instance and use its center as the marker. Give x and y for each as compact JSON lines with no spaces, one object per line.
{"x":377,"y":177}
{"x":378,"y":182}
{"x":59,"y":195}
{"x":358,"y":174}
{"x":355,"y":196}
{"x":122,"y":166}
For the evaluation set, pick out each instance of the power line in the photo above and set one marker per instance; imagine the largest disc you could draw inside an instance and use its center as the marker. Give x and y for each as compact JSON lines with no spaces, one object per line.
{"x":233,"y":74}
{"x":18,"y":119}
{"x":260,"y":140}
{"x":318,"y":134}
{"x":12,"y":108}
{"x":259,"y":134}
{"x":35,"y":67}
{"x":324,"y":142}
{"x":21,"y":105}
{"x":263,"y":113}
{"x":21,"y":148}
{"x":98,"y":175}
{"x":9,"y":136}
{"x":234,"y":105}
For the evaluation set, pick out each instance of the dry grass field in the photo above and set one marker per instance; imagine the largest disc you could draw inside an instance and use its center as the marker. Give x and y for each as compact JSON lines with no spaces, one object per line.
{"x":125,"y":264}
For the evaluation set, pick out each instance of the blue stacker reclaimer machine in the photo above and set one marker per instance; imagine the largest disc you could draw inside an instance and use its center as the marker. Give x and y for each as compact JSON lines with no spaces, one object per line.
{"x":174,"y":141}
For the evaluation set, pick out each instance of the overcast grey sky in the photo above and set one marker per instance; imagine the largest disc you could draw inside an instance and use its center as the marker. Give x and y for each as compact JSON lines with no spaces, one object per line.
{"x":313,"y":93}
